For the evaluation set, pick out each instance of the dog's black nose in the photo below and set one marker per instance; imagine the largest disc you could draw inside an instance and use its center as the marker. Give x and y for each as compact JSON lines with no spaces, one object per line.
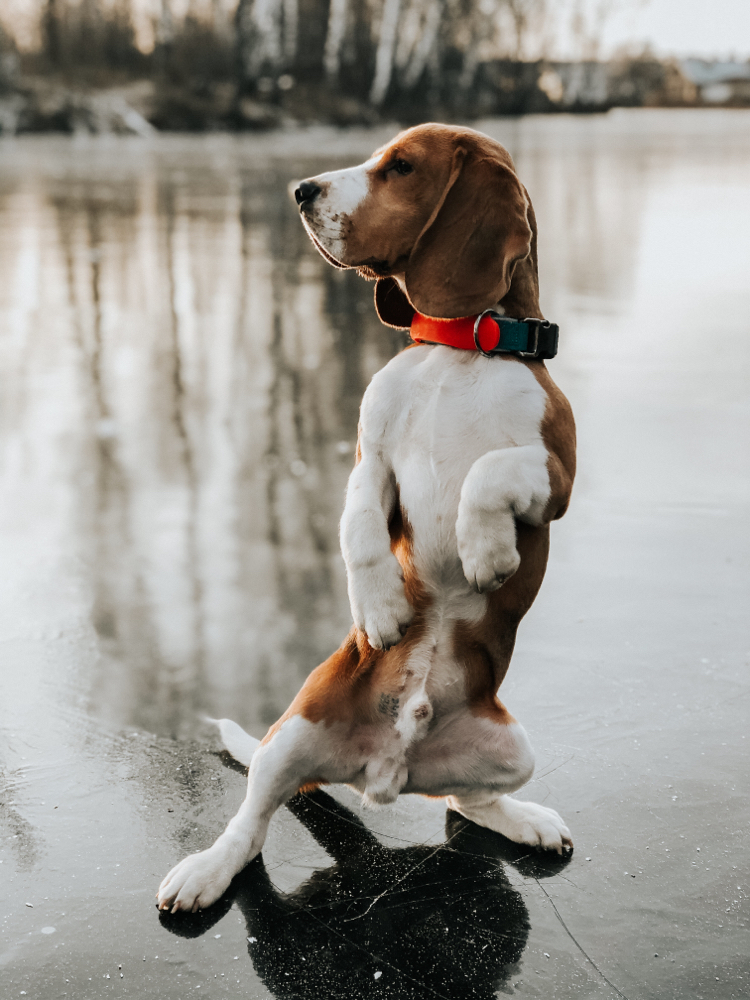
{"x":306,"y":193}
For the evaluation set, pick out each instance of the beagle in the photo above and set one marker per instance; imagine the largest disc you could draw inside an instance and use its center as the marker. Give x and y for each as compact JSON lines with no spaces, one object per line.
{"x":466,"y":453}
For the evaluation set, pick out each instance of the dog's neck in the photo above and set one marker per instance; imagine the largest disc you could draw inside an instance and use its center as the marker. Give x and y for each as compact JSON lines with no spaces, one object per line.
{"x":400,"y":280}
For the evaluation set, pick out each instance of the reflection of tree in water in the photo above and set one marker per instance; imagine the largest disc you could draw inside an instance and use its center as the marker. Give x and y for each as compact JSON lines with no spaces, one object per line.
{"x":90,"y":224}
{"x":87,"y":218}
{"x":420,"y":921}
{"x":218,"y":421}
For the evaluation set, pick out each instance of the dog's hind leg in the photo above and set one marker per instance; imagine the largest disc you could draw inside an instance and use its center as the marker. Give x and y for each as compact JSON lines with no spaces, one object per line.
{"x":279,"y":767}
{"x":475,"y":762}
{"x":522,"y":822}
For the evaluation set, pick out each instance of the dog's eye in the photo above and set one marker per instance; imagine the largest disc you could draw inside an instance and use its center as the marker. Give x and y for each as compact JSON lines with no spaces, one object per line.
{"x":402,"y":167}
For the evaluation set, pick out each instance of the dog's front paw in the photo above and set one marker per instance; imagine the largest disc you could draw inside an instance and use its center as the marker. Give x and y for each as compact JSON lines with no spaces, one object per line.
{"x":379,"y":605}
{"x":487,"y":548}
{"x":196,"y":882}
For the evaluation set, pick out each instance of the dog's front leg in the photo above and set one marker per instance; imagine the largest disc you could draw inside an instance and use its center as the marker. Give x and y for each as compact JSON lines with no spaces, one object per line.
{"x":501,"y":486}
{"x":375,"y":578}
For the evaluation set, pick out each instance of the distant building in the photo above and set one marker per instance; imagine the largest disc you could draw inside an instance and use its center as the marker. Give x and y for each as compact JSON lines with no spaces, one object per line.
{"x":719,"y":82}
{"x":591,"y":85}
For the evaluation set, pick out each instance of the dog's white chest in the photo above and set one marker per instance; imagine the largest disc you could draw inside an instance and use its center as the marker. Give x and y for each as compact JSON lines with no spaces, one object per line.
{"x":434,"y":411}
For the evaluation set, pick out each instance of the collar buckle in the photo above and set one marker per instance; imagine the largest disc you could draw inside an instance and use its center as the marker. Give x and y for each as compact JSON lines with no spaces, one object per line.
{"x":478,"y":322}
{"x":541,"y":336}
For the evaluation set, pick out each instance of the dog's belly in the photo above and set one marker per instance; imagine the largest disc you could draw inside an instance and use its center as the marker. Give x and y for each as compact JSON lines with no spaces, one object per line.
{"x":425,"y":710}
{"x":440,"y":410}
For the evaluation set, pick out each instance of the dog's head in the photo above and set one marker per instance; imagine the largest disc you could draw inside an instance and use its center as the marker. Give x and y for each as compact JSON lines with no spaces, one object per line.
{"x":439,"y":216}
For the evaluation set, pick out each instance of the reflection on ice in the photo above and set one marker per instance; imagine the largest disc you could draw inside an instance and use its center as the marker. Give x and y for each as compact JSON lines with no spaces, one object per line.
{"x":421,"y":921}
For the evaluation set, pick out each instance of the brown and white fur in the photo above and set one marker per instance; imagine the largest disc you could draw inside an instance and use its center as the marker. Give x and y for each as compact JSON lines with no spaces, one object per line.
{"x":462,"y":463}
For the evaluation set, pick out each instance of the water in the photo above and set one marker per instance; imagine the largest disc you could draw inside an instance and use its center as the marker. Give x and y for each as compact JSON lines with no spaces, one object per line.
{"x":181,"y":375}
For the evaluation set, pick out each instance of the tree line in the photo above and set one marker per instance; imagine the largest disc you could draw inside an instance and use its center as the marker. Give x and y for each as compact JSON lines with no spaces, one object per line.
{"x":344,"y":61}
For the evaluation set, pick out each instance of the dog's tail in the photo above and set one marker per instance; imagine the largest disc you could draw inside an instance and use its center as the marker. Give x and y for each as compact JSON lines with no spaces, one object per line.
{"x":240,"y":744}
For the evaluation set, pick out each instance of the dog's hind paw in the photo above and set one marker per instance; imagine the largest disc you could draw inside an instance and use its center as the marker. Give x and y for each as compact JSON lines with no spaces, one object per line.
{"x":196,"y":882}
{"x":522,"y":822}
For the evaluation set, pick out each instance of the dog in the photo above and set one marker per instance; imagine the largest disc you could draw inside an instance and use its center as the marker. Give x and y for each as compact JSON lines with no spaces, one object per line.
{"x":465,"y":455}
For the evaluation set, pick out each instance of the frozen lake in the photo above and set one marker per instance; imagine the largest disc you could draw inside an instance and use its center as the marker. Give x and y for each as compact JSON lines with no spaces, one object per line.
{"x":180,"y":376}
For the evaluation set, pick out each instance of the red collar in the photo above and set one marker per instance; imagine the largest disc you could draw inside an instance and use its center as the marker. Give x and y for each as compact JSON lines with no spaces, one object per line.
{"x":490,"y":333}
{"x":454,"y":332}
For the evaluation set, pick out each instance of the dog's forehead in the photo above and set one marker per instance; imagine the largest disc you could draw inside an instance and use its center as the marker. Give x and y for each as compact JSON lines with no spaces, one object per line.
{"x":433,"y":141}
{"x":437,"y":142}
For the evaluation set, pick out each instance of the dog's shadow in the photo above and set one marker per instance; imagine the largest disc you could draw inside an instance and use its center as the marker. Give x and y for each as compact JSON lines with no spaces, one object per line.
{"x":410,"y":922}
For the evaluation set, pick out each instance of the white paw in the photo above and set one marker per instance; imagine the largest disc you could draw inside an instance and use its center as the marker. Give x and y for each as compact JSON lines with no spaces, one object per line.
{"x":538,"y":826}
{"x":196,"y":882}
{"x":379,"y":605}
{"x":521,"y":822}
{"x":487,"y":547}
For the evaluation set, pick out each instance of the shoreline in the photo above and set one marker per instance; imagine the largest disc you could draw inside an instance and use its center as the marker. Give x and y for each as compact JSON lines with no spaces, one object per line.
{"x":56,"y":104}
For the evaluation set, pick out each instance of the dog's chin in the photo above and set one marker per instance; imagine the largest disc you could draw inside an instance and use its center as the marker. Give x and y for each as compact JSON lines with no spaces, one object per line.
{"x":370,"y":269}
{"x":373,"y":268}
{"x":324,"y":253}
{"x":368,"y":272}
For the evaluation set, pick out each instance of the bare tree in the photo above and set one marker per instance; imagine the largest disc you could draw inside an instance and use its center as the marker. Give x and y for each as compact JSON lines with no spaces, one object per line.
{"x":164,"y":32}
{"x":291,"y":28}
{"x":259,"y":36}
{"x":418,"y":41}
{"x":385,"y":51}
{"x":337,"y":19}
{"x":588,"y":22}
{"x":528,"y":17}
{"x":52,"y":31}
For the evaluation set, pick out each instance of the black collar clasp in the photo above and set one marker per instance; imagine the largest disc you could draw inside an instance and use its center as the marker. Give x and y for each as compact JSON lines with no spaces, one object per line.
{"x":527,"y":338}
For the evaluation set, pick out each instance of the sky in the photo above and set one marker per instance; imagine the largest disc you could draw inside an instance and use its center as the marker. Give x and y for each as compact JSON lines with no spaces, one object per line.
{"x":683,"y":27}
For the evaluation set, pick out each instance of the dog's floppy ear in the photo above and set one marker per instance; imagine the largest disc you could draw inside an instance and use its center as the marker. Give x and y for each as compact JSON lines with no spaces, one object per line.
{"x":393,"y":307}
{"x":474,"y":243}
{"x":522,"y":298}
